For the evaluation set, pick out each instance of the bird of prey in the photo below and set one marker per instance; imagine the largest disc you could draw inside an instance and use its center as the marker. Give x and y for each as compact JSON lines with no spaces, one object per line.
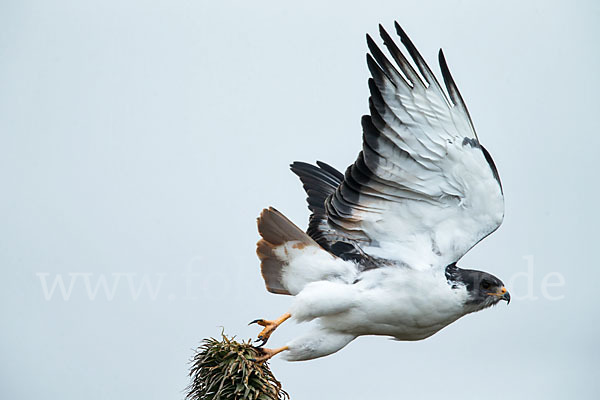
{"x":384,"y":238}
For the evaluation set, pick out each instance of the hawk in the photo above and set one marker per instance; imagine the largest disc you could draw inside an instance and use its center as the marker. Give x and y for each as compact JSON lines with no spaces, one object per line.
{"x":384,"y":238}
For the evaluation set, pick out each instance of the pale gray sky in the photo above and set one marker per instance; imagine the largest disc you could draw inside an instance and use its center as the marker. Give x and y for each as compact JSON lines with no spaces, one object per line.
{"x":139,"y":140}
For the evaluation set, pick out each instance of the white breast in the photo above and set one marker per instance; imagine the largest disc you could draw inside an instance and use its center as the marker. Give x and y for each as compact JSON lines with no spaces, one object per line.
{"x":403,"y":303}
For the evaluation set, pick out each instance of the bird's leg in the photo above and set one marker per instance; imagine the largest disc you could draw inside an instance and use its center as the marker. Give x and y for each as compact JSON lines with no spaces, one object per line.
{"x":270,"y":326}
{"x":266,"y":354}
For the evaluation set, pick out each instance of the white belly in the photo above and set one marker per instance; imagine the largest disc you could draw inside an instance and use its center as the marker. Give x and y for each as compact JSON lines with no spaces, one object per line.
{"x":402,"y":303}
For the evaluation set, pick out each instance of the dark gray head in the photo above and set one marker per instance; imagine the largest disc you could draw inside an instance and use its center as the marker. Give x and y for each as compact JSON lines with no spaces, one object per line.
{"x":484,"y":289}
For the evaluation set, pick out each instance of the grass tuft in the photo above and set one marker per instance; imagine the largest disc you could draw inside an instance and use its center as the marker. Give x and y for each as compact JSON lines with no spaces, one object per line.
{"x":224,"y":370}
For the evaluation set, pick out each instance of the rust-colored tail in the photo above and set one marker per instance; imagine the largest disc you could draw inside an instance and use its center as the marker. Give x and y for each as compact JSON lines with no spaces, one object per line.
{"x":276,"y":230}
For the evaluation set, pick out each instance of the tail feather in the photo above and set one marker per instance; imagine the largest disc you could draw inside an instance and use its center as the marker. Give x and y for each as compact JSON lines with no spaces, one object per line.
{"x":270,"y":267}
{"x":276,"y":230}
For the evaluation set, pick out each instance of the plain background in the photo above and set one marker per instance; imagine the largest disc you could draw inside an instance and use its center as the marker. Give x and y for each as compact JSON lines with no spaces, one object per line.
{"x":139,"y":140}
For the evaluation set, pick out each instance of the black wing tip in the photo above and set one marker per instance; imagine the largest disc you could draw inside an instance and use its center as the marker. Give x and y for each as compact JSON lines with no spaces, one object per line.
{"x":445,"y":70}
{"x":492,"y":164}
{"x":324,"y":165}
{"x":303,"y":164}
{"x":333,"y":171}
{"x":382,"y":29}
{"x":374,"y":68}
{"x":401,"y":32}
{"x":301,"y":169}
{"x":372,"y":45}
{"x":442,"y":61}
{"x":377,"y":72}
{"x":299,"y":164}
{"x":384,"y":34}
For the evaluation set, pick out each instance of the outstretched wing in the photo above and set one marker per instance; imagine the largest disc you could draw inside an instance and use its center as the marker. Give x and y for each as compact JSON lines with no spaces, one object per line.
{"x":423,"y":190}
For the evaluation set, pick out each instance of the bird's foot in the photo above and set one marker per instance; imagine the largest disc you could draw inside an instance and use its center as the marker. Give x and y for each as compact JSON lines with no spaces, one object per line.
{"x":266,"y":354}
{"x":270,"y":327}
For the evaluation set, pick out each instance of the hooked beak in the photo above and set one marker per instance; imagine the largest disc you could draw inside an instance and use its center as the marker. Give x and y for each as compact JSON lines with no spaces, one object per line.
{"x":503,"y":294}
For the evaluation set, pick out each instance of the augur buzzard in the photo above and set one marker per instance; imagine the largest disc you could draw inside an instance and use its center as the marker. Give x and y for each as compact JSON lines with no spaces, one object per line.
{"x":381,"y":250}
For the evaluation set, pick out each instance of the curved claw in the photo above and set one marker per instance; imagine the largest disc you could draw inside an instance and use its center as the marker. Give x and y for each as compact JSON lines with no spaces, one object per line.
{"x":262,"y":341}
{"x":270,"y":326}
{"x":260,"y":322}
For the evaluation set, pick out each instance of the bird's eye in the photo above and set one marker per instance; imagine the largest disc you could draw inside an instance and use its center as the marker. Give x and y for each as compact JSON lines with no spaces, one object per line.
{"x":485,"y":284}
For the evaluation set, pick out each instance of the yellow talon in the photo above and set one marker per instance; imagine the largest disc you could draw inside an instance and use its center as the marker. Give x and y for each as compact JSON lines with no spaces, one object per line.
{"x":268,"y":353}
{"x":270,"y":327}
